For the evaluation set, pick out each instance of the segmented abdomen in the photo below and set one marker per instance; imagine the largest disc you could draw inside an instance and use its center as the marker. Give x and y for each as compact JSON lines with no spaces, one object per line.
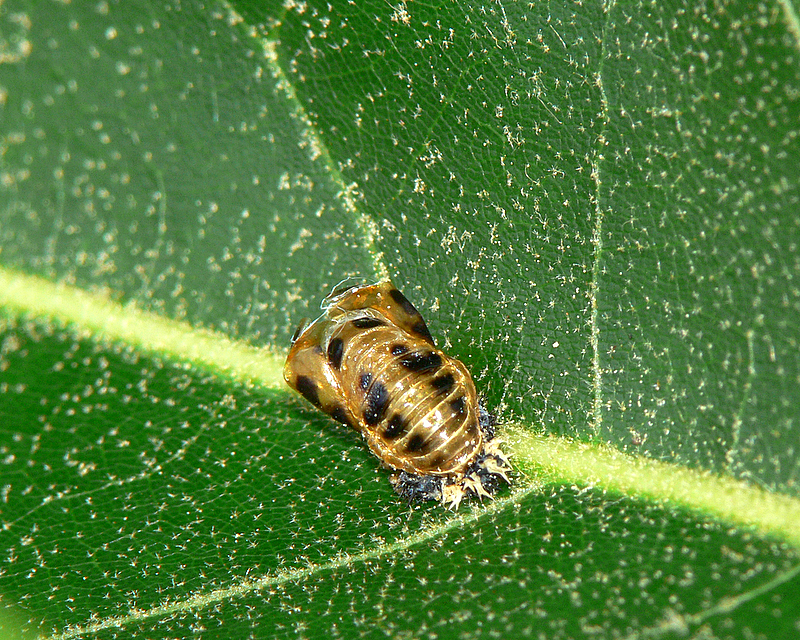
{"x":418,"y":406}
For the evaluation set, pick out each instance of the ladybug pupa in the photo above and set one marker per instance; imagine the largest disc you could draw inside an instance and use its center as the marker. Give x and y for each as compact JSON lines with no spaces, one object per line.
{"x":370,"y":362}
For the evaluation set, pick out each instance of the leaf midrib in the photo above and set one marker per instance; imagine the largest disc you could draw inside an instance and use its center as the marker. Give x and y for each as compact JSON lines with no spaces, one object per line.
{"x":559,"y":460}
{"x":538,"y":459}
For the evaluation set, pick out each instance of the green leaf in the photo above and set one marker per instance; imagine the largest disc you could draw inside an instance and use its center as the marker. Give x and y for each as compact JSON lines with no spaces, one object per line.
{"x":593,"y":206}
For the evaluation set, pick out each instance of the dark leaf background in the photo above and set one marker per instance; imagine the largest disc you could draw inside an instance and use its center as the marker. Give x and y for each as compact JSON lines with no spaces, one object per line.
{"x":593,"y":205}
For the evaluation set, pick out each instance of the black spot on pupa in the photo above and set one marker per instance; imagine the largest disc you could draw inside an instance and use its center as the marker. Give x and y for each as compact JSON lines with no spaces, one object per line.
{"x":398,"y":349}
{"x":459,"y":405}
{"x":335,"y":351}
{"x":366,"y":323}
{"x":421,"y":329}
{"x":397,"y":427}
{"x":364,"y":381}
{"x":302,"y":325}
{"x":308,"y":389}
{"x":424,"y":361}
{"x":400,"y":299}
{"x":339,"y":415}
{"x":415,"y":443}
{"x":377,"y":401}
{"x":444,"y":383}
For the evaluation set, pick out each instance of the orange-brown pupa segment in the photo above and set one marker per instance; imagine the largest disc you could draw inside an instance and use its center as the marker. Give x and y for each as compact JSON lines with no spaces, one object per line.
{"x":307,"y":371}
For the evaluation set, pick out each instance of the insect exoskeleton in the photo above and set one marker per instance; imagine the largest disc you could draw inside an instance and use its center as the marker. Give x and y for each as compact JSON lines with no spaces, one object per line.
{"x":369,"y":361}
